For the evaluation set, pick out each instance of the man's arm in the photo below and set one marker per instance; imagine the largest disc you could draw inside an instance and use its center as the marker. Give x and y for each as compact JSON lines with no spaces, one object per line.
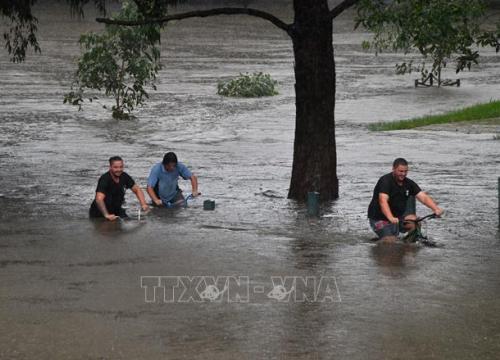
{"x":383,"y":200}
{"x":194,"y":185}
{"x":429,"y":202}
{"x":140,"y":196}
{"x":101,"y":205}
{"x":152,"y":195}
{"x":152,"y":181}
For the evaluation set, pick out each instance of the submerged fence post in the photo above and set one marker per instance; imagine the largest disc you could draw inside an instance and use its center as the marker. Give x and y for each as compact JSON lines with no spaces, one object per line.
{"x":313,"y":203}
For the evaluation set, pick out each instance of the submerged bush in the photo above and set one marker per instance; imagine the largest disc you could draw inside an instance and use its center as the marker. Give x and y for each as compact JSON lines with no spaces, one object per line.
{"x":248,"y":85}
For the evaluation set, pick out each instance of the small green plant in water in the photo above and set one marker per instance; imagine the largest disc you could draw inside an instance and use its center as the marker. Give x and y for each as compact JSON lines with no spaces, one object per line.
{"x":248,"y":85}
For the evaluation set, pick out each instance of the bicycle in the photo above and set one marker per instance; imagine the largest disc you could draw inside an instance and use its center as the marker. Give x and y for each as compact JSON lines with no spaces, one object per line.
{"x":416,"y":235}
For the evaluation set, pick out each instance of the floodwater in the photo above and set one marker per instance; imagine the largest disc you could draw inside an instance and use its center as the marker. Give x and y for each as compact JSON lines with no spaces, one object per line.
{"x":71,"y":288}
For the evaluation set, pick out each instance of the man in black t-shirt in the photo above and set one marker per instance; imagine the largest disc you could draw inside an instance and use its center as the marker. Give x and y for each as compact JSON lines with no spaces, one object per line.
{"x":388,"y":208}
{"x":110,"y":192}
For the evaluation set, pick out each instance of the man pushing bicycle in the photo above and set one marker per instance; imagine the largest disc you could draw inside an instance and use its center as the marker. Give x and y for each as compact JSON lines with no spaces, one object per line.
{"x":388,"y":212}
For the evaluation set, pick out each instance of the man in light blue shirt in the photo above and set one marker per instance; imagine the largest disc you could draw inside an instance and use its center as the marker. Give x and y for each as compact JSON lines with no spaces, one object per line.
{"x":162,"y":181}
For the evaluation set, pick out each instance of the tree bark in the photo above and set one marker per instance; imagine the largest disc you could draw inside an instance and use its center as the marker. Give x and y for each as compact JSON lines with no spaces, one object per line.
{"x":315,"y":158}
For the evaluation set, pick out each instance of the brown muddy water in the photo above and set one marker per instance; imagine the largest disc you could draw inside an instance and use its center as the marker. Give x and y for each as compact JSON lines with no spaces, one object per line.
{"x":71,"y":288}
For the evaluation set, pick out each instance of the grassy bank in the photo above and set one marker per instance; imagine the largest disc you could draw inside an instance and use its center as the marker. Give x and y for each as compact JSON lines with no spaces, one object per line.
{"x":473,"y":113}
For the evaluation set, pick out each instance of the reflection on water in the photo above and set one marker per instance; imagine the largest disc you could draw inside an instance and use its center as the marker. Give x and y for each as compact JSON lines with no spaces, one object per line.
{"x":117,"y":227}
{"x":84,"y":294}
{"x":394,"y":256}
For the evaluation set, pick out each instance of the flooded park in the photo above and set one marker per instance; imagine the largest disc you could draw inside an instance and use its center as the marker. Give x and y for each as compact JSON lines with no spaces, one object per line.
{"x":72,"y":288}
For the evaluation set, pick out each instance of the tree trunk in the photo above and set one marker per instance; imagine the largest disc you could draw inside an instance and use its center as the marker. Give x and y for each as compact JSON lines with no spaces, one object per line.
{"x":315,"y":158}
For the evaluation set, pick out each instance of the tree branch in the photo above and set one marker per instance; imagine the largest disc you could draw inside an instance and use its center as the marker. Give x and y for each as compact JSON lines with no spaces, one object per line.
{"x":340,"y":8}
{"x":202,"y":13}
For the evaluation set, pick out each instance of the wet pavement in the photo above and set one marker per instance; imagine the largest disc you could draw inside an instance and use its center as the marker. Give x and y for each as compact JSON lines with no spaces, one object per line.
{"x":71,"y":288}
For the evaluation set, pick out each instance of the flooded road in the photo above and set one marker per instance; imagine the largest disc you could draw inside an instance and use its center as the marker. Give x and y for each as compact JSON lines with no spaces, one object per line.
{"x":71,"y":288}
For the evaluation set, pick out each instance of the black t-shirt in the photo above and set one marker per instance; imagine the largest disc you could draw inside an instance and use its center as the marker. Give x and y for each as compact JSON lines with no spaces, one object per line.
{"x":398,"y":196}
{"x":114,"y":191}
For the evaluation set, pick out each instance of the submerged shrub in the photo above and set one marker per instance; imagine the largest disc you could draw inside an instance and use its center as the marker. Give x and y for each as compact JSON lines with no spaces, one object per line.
{"x":248,"y":85}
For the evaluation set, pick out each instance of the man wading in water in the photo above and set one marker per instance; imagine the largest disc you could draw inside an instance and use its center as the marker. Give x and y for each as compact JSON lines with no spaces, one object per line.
{"x":163,"y":187}
{"x":110,"y":192}
{"x":388,"y":208}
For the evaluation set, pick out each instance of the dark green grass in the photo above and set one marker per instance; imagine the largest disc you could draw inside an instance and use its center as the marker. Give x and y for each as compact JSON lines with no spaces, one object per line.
{"x":478,"y":112}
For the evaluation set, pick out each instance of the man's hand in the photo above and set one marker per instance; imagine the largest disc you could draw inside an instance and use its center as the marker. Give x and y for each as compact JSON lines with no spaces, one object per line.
{"x":111,"y":217}
{"x":394,"y":220}
{"x":196,"y":193}
{"x":145,"y":207}
{"x":158,"y":202}
{"x":438,"y":211}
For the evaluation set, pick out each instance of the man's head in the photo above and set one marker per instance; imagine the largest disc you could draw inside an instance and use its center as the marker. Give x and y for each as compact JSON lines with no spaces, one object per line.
{"x":169,"y":161}
{"x":400,"y":169}
{"x":116,"y":166}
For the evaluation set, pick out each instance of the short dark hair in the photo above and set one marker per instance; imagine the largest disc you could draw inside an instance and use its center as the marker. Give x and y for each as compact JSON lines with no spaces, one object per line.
{"x":399,"y":161}
{"x":169,"y":157}
{"x":112,"y":159}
